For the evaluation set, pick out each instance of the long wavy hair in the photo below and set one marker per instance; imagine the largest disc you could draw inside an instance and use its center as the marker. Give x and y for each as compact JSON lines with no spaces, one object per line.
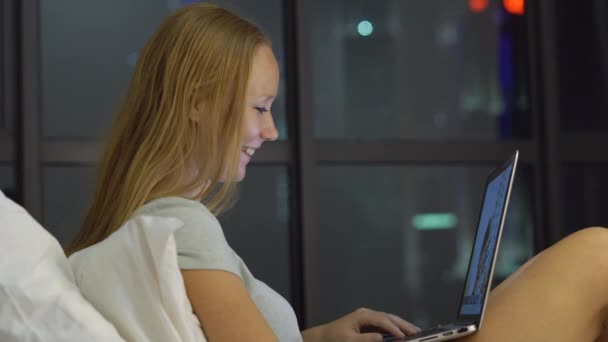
{"x":201,"y":54}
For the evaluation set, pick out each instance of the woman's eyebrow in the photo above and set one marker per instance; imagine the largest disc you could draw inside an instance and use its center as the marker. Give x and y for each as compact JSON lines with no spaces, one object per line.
{"x":264,"y":98}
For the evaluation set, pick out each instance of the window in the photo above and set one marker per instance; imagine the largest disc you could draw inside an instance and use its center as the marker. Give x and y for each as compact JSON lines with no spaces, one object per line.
{"x":398,"y":237}
{"x":89,"y":51}
{"x":416,"y":70}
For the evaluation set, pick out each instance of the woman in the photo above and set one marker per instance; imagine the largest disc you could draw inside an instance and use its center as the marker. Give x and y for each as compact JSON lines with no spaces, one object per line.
{"x":197,"y":109}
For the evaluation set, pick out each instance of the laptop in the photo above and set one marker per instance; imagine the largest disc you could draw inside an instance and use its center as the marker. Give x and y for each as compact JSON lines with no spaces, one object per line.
{"x":483,"y":258}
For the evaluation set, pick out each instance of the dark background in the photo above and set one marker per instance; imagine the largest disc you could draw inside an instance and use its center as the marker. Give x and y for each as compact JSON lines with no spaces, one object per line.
{"x":371,"y":196}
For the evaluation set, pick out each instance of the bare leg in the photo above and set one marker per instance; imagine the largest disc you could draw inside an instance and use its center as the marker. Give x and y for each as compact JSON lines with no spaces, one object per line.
{"x":560,"y":295}
{"x":604,"y":336}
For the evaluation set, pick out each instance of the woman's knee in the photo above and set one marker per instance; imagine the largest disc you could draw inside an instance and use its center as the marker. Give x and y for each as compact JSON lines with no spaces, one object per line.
{"x":588,"y":246}
{"x":589,"y":238}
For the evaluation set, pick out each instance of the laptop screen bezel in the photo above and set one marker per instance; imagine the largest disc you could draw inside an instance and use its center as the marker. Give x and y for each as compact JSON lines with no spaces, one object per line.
{"x":476,"y":318}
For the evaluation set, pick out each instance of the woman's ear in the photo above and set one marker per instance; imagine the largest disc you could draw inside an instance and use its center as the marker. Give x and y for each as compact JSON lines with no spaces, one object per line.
{"x":196,"y":113}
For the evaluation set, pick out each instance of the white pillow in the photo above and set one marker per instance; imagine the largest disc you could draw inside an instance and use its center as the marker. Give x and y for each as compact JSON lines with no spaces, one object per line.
{"x":133,"y":279}
{"x":38,"y":298}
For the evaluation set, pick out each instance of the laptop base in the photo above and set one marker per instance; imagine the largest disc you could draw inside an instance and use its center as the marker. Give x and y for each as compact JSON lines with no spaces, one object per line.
{"x":437,"y":334}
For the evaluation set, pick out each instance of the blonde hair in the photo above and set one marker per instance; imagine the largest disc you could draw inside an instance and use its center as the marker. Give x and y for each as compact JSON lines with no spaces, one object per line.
{"x":200,"y":54}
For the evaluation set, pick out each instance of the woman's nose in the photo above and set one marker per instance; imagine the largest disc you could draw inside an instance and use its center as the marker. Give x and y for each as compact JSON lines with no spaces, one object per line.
{"x":269,"y":131}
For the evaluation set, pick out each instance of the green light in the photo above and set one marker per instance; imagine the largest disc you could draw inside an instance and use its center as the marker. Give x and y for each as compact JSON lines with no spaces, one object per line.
{"x":365,"y":28}
{"x":434,"y":221}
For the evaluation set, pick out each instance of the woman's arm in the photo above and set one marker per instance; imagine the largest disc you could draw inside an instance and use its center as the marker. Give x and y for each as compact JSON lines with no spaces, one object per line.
{"x":224,"y":307}
{"x":313,"y":334}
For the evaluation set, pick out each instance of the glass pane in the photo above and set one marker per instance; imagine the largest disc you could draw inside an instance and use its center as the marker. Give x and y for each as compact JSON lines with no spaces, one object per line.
{"x":258,"y":226}
{"x":66,"y":197}
{"x":585,"y":187}
{"x":375,"y":246}
{"x":89,"y":50}
{"x":419,"y":69}
{"x":3,"y":116}
{"x":582,"y":64}
{"x":9,"y":67}
{"x":8,"y":182}
{"x":3,"y":119}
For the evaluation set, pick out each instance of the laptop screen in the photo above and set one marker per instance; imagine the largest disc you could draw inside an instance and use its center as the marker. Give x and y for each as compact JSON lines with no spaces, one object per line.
{"x":486,"y":241}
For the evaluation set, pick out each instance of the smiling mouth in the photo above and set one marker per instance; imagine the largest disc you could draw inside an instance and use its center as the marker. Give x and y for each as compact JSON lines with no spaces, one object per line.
{"x":248,"y":151}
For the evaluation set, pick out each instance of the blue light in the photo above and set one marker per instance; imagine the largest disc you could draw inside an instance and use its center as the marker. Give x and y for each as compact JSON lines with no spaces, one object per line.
{"x":365,"y":28}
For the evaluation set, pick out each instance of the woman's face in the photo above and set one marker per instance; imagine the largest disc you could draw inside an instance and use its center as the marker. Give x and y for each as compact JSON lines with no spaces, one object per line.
{"x":258,"y":125}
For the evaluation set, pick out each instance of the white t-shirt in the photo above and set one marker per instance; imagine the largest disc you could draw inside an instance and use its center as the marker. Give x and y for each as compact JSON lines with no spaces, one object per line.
{"x":201,"y":244}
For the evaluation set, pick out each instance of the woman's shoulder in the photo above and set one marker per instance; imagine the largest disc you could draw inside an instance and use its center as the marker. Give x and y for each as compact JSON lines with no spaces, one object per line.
{"x":182,"y":208}
{"x":200,"y":242}
{"x":198,"y":222}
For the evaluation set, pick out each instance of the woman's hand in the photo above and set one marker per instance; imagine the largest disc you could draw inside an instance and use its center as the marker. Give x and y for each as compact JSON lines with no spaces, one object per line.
{"x":363,"y":325}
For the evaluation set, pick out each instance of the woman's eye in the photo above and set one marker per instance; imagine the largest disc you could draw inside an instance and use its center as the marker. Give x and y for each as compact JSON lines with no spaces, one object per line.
{"x":261,"y":110}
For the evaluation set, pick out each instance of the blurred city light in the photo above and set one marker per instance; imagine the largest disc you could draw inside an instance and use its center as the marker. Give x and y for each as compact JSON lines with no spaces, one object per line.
{"x":516,"y":7}
{"x":478,"y":6}
{"x":435,"y":221}
{"x":365,"y":28}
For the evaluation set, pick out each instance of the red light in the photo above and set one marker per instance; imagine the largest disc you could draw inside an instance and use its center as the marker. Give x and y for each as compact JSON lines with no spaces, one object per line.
{"x":515,"y":7}
{"x":478,"y":6}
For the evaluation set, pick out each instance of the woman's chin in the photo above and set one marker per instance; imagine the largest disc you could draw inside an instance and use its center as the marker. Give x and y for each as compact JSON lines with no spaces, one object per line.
{"x":241,"y":173}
